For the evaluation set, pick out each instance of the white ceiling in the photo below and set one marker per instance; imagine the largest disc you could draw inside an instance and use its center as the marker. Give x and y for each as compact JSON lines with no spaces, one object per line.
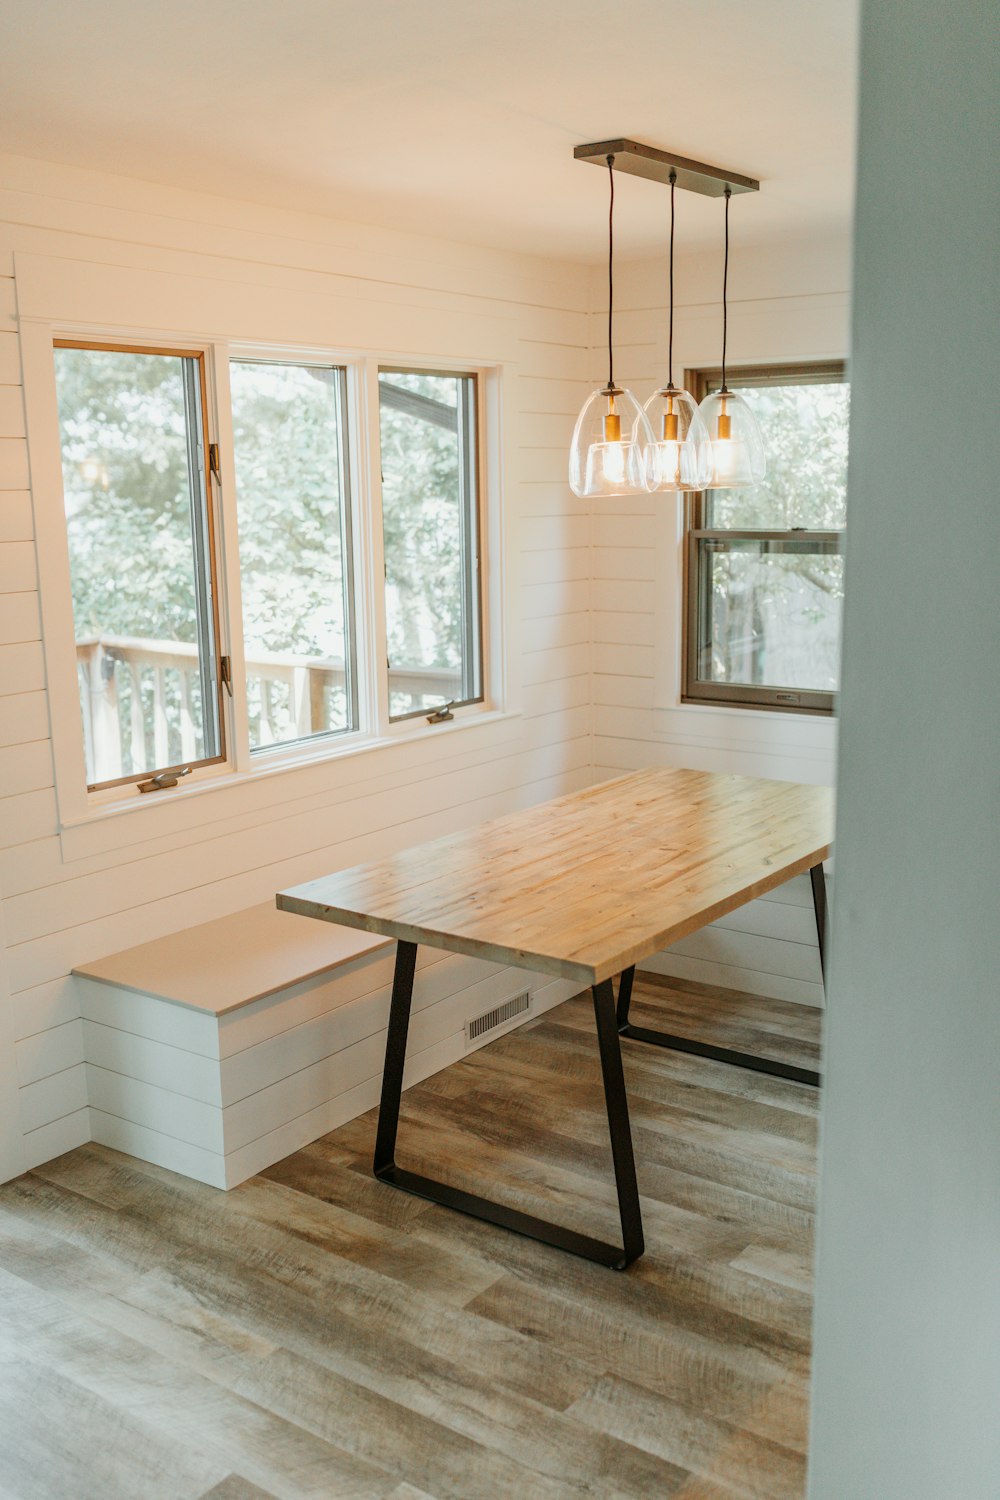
{"x":448,"y":117}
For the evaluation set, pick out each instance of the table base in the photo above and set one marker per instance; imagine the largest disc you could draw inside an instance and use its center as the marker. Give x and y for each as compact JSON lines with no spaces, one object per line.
{"x":617,"y":1257}
{"x":736,"y":1059}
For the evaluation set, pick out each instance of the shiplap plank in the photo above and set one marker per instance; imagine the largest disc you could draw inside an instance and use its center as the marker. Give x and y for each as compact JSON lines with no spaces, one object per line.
{"x":53,"y":1097}
{"x":16,"y":520}
{"x":540,"y":599}
{"x":50,"y":1051}
{"x":22,"y":667}
{"x":11,"y":411}
{"x":25,"y":768}
{"x":20,"y":619}
{"x":17,"y":567}
{"x":620,"y":629}
{"x":29,"y":816}
{"x":162,"y":1110}
{"x":173,"y":1068}
{"x":630,"y":661}
{"x":13,"y":463}
{"x":151,"y":1145}
{"x":47,"y":1006}
{"x":23,"y":716}
{"x":729,"y":976}
{"x":10,"y":358}
{"x":56,"y":1138}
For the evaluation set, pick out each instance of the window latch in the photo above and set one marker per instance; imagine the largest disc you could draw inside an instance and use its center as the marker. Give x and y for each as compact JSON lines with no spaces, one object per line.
{"x":226,"y":673}
{"x":443,"y":714}
{"x":214,"y":463}
{"x":165,"y":779}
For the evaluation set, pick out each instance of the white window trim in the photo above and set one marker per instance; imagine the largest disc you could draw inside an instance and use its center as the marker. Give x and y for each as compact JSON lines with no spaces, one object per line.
{"x":82,"y":811}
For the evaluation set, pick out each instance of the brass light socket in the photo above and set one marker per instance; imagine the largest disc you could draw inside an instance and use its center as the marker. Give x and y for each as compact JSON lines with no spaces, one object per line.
{"x":670,"y":434}
{"x":612,"y":428}
{"x":724,"y":425}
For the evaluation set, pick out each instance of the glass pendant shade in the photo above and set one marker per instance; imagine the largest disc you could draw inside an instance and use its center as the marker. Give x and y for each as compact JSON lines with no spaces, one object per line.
{"x":609,"y":452}
{"x":679,"y":457}
{"x":735,"y":444}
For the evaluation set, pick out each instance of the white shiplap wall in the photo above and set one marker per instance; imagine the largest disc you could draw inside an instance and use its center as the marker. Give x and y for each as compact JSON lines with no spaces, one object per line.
{"x":786,"y":304}
{"x":248,"y":273}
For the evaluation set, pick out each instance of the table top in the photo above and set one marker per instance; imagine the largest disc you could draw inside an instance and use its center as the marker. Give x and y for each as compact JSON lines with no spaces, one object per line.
{"x":593,"y":882}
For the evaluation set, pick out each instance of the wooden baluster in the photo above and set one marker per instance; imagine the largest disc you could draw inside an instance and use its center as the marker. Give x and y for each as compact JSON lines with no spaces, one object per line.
{"x":301,"y":704}
{"x":137,"y":724}
{"x":107,"y":763}
{"x":188,"y":751}
{"x":266,"y":732}
{"x":161,"y":738}
{"x":85,"y":667}
{"x":318,"y":678}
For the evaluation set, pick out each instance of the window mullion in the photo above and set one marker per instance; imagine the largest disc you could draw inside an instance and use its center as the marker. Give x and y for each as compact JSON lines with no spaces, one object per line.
{"x":230,"y":608}
{"x":376,"y":632}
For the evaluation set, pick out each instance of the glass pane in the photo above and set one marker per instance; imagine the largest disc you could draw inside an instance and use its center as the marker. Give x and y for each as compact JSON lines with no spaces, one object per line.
{"x":429,"y":512}
{"x":134,"y":486}
{"x":769,"y":613}
{"x":294,"y":559}
{"x":804,"y":427}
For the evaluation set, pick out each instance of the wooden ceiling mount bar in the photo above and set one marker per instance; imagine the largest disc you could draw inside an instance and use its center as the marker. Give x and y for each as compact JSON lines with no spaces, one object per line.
{"x":651,"y":162}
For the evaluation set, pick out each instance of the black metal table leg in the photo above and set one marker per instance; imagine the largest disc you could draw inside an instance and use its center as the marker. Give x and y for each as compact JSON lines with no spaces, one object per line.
{"x":384,"y":1166}
{"x":736,"y":1059}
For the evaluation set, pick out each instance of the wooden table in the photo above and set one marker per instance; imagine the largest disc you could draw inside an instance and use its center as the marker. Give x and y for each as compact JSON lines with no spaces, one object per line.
{"x":584,"y":887}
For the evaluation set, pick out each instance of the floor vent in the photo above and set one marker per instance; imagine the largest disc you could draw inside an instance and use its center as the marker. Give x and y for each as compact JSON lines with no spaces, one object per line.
{"x":490,"y":1020}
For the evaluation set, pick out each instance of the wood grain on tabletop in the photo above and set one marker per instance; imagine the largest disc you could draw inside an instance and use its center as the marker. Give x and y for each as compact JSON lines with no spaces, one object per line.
{"x":592,"y":882}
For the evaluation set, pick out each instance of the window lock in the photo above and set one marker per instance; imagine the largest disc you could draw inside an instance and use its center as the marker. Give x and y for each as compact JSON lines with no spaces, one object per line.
{"x":163,"y":780}
{"x":443,"y":714}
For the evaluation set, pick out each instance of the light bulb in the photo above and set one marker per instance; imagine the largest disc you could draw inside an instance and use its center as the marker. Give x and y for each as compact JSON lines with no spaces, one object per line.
{"x":609,"y":456}
{"x":666,"y":464}
{"x":613,"y":460}
{"x":728,"y":458}
{"x":737,"y":452}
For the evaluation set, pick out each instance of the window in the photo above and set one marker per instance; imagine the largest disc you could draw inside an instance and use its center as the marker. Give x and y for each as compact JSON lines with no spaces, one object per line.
{"x":233,"y":591}
{"x":764,"y":571}
{"x":296,"y":577}
{"x":430,"y":518}
{"x":138,"y":521}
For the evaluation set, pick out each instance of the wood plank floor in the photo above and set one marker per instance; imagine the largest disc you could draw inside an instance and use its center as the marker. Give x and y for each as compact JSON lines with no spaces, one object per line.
{"x":315,"y":1333}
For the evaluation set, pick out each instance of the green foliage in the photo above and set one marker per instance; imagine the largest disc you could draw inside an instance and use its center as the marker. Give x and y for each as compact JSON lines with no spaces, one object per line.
{"x":776,"y":617}
{"x":125,"y":478}
{"x":289,"y":485}
{"x":421,"y":510}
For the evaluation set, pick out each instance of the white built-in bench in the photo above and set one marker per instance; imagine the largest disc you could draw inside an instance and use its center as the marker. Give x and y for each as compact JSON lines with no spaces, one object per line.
{"x":221,"y":1049}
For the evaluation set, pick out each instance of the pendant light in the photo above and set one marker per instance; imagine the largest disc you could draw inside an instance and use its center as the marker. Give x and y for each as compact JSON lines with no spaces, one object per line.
{"x":737,"y":449}
{"x":679,"y":455}
{"x":609,"y":452}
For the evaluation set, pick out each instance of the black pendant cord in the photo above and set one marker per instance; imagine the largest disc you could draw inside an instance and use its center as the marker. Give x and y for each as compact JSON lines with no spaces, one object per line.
{"x":611,"y":274}
{"x":670,"y":339}
{"x":725,"y":283}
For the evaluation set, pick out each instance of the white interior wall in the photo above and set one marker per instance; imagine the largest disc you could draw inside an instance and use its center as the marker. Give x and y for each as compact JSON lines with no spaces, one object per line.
{"x":786,"y":304}
{"x":907,"y":1346}
{"x":84,"y":244}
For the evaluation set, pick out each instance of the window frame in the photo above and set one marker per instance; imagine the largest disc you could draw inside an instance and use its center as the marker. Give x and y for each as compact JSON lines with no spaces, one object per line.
{"x":697,"y":532}
{"x":206,"y":546}
{"x":312,"y":745}
{"x":90,"y":823}
{"x":472,"y":557}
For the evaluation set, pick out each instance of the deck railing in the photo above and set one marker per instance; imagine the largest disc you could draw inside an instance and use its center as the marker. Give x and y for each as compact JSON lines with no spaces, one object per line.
{"x":139,"y":695}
